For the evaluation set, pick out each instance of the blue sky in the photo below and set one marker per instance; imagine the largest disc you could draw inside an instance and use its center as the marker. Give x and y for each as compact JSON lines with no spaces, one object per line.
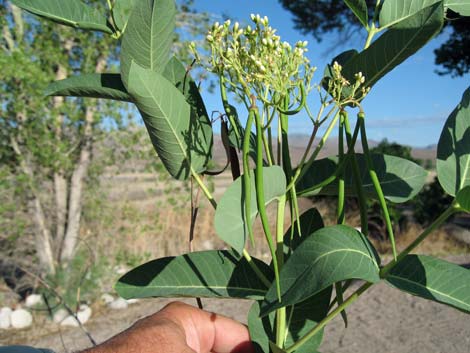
{"x":409,"y":105}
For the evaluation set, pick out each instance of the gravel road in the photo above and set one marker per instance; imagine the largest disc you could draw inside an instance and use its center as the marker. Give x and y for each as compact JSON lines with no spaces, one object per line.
{"x":383,"y":320}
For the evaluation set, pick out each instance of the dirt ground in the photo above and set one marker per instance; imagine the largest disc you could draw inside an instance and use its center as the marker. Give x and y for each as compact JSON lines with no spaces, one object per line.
{"x":382,"y":320}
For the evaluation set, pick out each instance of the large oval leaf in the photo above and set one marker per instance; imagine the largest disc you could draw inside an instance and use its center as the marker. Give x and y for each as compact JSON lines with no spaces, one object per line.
{"x":329,"y":255}
{"x":359,"y":8}
{"x":72,"y":13}
{"x":453,"y":150}
{"x":460,"y":6}
{"x":210,"y":274}
{"x":230,"y":222}
{"x":173,"y":125}
{"x":434,"y":279}
{"x":394,"y":11}
{"x":148,"y":36}
{"x":302,"y":318}
{"x":176,"y":73}
{"x":400,"y":178}
{"x":122,"y":10}
{"x":310,"y":221}
{"x":396,"y":45}
{"x":108,"y":86}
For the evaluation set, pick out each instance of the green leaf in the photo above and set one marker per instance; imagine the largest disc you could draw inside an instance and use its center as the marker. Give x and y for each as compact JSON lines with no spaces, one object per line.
{"x":359,"y":8}
{"x":396,"y":45}
{"x":453,"y":149}
{"x":434,"y":279}
{"x":229,"y":220}
{"x":176,"y":73}
{"x":108,"y":86}
{"x":400,"y":178}
{"x":209,"y":274}
{"x":72,"y":13}
{"x":330,"y":255}
{"x":148,"y":36}
{"x":303,"y":317}
{"x":121,"y":11}
{"x":460,"y":6}
{"x":463,"y":198}
{"x":171,"y":122}
{"x":310,"y":221}
{"x":394,"y":11}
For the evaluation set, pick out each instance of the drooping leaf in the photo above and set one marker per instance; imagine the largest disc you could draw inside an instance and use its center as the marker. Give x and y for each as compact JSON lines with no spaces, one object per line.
{"x":303,"y":317}
{"x":72,"y":13}
{"x":330,"y":255}
{"x":210,"y":274}
{"x":310,"y":221}
{"x":460,"y":6}
{"x":463,"y":198}
{"x":173,"y":125}
{"x":453,"y":149}
{"x":400,"y":178}
{"x":229,"y":220}
{"x":108,"y":86}
{"x":148,"y":36}
{"x":359,"y":8}
{"x":394,"y":11}
{"x":396,"y":45}
{"x":434,"y":279}
{"x":121,"y":11}
{"x":176,"y":73}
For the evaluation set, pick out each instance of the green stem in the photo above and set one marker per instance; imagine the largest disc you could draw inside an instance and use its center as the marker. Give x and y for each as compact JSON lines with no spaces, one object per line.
{"x":301,"y":171}
{"x":280,"y":313}
{"x":255,"y":268}
{"x":246,"y":174}
{"x":204,"y":189}
{"x":376,"y":183}
{"x":228,"y":109}
{"x":340,"y":210}
{"x":327,"y":319}
{"x":436,"y":224}
{"x":260,"y":195}
{"x":372,"y":31}
{"x":357,"y":178}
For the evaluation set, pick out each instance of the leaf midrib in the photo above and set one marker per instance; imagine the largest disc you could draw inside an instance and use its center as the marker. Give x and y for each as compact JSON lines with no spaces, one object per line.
{"x":390,"y":62}
{"x":181,"y":146}
{"x":428,"y":288}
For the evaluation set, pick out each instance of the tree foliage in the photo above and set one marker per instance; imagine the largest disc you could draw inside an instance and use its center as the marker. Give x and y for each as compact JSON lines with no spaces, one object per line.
{"x":320,"y":17}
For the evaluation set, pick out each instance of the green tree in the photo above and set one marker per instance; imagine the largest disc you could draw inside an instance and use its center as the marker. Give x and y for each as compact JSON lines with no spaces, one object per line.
{"x":319,"y":17}
{"x":49,"y":143}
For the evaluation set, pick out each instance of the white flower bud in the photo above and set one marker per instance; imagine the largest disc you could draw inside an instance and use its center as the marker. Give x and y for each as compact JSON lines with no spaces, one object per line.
{"x":210,"y":38}
{"x":236,"y":26}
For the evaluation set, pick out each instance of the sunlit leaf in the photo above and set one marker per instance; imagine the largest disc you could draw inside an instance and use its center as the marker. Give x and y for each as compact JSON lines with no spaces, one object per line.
{"x":173,"y":125}
{"x":460,"y":6}
{"x":148,"y":36}
{"x":330,"y":255}
{"x":396,"y":45}
{"x":434,"y":279}
{"x":211,"y":274}
{"x":121,"y":11}
{"x":463,"y":198}
{"x":453,"y":149}
{"x":229,"y":221}
{"x":359,"y":8}
{"x":394,"y":11}
{"x":72,"y":13}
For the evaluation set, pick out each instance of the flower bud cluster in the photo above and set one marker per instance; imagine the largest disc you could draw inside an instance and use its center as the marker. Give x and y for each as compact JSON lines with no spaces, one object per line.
{"x":338,"y":85}
{"x":254,"y":60}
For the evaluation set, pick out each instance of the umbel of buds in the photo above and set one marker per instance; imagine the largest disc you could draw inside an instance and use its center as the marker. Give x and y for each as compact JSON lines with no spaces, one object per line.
{"x":254,"y":60}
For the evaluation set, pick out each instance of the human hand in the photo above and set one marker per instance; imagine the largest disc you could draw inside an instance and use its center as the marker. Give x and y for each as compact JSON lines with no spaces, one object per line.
{"x":180,"y":328}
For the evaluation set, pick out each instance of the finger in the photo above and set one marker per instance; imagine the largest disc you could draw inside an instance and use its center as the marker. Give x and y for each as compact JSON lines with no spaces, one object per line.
{"x":208,"y":332}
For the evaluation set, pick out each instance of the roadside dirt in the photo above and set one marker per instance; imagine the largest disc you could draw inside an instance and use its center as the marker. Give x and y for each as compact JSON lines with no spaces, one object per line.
{"x":382,"y":320}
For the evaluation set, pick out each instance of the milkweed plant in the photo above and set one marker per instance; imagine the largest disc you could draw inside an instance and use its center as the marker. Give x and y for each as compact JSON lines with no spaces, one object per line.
{"x":272,"y":82}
